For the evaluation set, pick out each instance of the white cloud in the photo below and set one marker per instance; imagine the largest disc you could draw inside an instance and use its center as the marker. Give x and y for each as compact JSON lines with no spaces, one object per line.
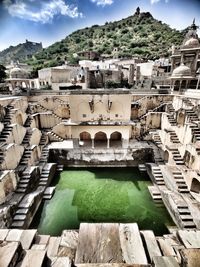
{"x":43,"y":13}
{"x":103,"y":2}
{"x":156,"y":1}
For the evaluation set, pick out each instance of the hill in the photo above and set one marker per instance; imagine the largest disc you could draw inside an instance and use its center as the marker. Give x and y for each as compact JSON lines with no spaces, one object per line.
{"x":138,"y":35}
{"x":20,"y":52}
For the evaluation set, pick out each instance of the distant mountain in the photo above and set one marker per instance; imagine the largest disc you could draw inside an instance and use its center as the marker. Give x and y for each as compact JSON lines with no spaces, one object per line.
{"x":138,"y":35}
{"x":20,"y":52}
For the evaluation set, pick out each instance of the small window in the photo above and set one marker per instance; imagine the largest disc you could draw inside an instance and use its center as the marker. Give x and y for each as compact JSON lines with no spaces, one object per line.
{"x":84,"y":116}
{"x":116,"y":115}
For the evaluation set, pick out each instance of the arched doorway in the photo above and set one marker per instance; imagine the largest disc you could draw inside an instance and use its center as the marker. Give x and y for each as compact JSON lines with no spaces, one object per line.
{"x":166,"y":156}
{"x":116,"y":139}
{"x":85,"y":139}
{"x":195,"y":186}
{"x":177,"y":85}
{"x":100,"y":139}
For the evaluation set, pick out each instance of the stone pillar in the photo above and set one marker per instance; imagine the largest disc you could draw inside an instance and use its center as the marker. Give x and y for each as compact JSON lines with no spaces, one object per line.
{"x":131,"y":74}
{"x":92,"y":143}
{"x":75,"y":142}
{"x":137,"y":73}
{"x":125,"y":143}
{"x":87,"y":78}
{"x":108,"y":143}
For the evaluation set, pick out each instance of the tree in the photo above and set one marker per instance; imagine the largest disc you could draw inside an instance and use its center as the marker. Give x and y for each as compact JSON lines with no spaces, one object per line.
{"x":2,"y":73}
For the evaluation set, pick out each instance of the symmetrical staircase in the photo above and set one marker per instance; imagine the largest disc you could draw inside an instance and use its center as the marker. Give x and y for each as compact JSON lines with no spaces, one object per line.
{"x":177,"y":156}
{"x":181,"y":184}
{"x":174,"y":138}
{"x":56,"y":137}
{"x":23,"y":183}
{"x":158,"y":176}
{"x":191,"y":116}
{"x":186,"y":217}
{"x":171,"y":120}
{"x":5,"y":133}
{"x":25,"y":157}
{"x":195,"y":133}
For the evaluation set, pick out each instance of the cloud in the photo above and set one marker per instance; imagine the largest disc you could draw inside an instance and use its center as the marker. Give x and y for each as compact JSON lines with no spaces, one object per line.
{"x":44,"y":12}
{"x":103,"y":2}
{"x":156,"y":1}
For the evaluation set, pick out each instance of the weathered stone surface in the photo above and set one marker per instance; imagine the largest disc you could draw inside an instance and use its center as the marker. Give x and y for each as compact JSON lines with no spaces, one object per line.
{"x":27,"y":237}
{"x":3,"y":234}
{"x":166,"y":248}
{"x":9,"y":253}
{"x":34,"y":258}
{"x":99,"y":243}
{"x":190,"y":239}
{"x":14,"y":235}
{"x":42,"y":239}
{"x":165,"y":262}
{"x":131,"y":244}
{"x":190,"y":257}
{"x":53,"y":246}
{"x":151,"y":244}
{"x":61,"y":262}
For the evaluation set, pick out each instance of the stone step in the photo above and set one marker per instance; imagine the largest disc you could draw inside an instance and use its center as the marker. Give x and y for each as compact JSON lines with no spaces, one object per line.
{"x":186,"y":217}
{"x":17,"y":224}
{"x":19,"y":218}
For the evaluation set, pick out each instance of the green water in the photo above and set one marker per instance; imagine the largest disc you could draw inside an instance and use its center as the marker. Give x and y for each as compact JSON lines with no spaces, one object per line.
{"x":101,"y":195}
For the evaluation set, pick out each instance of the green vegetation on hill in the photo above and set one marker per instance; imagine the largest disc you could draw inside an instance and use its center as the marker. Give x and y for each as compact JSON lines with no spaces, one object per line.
{"x":138,"y":35}
{"x":19,"y":52}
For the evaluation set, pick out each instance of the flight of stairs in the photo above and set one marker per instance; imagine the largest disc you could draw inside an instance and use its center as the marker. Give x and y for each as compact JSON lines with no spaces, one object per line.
{"x":25,"y":157}
{"x":177,"y":156}
{"x":23,"y":183}
{"x":5,"y":133}
{"x":195,"y":133}
{"x":170,"y":108}
{"x":191,"y":116}
{"x":174,"y":138}
{"x":27,"y":138}
{"x":186,"y":217}
{"x":157,"y":173}
{"x":181,"y":184}
{"x":171,"y":120}
{"x":56,"y":137}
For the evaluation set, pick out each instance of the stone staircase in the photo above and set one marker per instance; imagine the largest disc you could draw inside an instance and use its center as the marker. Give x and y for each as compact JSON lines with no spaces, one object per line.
{"x":181,"y":184}
{"x":195,"y":133}
{"x":43,"y":139}
{"x":191,"y":116}
{"x":9,"y":114}
{"x":174,"y":138}
{"x":158,"y":176}
{"x":5,"y":133}
{"x":55,"y":137}
{"x":28,"y":121}
{"x":25,"y":157}
{"x":23,"y":184}
{"x":44,"y":155}
{"x":177,"y":156}
{"x":43,"y":109}
{"x":157,"y":139}
{"x":185,"y":216}
{"x":27,"y":137}
{"x":171,"y":120}
{"x":44,"y":177}
{"x":187,"y":102}
{"x":170,"y":108}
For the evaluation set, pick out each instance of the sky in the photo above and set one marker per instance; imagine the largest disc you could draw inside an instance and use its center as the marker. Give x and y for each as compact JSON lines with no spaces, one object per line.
{"x":48,"y":21}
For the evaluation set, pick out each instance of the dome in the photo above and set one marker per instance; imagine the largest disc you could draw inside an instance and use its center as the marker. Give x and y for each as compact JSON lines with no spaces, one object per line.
{"x":181,"y":71}
{"x":192,"y":42}
{"x":17,"y":72}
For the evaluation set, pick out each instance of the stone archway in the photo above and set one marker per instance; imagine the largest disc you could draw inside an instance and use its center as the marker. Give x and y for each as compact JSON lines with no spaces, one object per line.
{"x":166,"y":156}
{"x":85,"y":139}
{"x":116,"y":139}
{"x":195,"y":186}
{"x":100,"y":139}
{"x":177,"y":85}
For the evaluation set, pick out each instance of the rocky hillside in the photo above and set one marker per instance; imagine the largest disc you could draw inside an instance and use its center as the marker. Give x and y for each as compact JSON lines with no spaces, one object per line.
{"x":138,"y":35}
{"x":20,"y":52}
